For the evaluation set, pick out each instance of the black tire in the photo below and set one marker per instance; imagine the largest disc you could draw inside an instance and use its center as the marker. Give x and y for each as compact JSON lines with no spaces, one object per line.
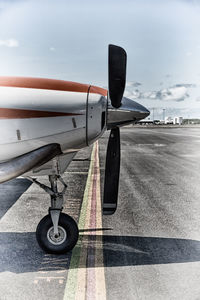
{"x":67,"y":239}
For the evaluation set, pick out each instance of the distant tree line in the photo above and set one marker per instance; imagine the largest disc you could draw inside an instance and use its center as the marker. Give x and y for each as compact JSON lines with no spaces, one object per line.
{"x":191,"y":121}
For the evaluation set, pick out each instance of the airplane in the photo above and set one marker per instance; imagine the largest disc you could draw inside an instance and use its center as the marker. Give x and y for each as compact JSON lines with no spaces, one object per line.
{"x":45,"y":122}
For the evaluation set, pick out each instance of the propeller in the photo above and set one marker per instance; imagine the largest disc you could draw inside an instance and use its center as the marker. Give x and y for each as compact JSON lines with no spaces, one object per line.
{"x":116,"y":74}
{"x":117,"y":81}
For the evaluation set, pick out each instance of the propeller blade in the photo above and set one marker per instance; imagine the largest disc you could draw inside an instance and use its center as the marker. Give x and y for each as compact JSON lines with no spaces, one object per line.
{"x":116,"y":74}
{"x":111,"y":181}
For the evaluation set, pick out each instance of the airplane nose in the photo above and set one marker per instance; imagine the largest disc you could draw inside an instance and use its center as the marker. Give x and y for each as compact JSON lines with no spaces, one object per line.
{"x":129,"y":112}
{"x":132,"y":106}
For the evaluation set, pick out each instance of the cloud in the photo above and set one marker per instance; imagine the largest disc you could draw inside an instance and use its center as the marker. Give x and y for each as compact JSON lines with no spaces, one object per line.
{"x":52,"y":49}
{"x":132,"y":90}
{"x":168,"y":94}
{"x":11,"y":43}
{"x":187,"y":85}
{"x":133,"y":94}
{"x":198,"y":99}
{"x":132,"y":84}
{"x":177,"y":92}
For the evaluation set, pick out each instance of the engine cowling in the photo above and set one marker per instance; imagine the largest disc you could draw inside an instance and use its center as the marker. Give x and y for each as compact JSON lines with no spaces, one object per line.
{"x":96,"y":114}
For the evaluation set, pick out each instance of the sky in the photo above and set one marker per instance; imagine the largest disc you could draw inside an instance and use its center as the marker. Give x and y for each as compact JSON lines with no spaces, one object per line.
{"x":69,"y":40}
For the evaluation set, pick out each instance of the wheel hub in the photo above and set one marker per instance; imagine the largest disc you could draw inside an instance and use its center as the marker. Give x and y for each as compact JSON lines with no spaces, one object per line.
{"x":57,"y":239}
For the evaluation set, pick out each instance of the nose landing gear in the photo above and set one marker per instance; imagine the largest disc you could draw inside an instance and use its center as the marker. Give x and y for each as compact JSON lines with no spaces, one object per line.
{"x":57,"y":232}
{"x":61,"y":242}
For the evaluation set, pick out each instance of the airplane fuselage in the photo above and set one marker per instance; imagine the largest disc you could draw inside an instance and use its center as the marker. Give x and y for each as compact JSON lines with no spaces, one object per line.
{"x":44,"y":122}
{"x":35,"y":112}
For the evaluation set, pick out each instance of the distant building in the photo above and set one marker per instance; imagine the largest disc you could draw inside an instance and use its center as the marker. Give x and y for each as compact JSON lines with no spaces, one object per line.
{"x":168,"y":120}
{"x":178,"y":120}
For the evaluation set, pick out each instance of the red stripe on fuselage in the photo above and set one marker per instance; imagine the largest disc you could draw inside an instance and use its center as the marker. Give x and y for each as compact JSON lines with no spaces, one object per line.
{"x":50,"y":84}
{"x":12,"y":113}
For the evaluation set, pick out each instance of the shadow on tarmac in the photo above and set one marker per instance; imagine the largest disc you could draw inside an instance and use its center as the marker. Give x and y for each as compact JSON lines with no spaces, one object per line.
{"x":19,"y":252}
{"x":10,"y":193}
{"x":135,"y":250}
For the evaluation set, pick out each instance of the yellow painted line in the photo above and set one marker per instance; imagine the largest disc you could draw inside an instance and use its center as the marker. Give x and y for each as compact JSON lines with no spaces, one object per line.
{"x":70,"y":288}
{"x":77,"y":281}
{"x":100,"y":275}
{"x":82,"y":271}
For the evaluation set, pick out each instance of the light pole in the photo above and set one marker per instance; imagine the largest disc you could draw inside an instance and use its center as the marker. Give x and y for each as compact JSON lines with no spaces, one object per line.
{"x":164,"y":114}
{"x":153,"y":113}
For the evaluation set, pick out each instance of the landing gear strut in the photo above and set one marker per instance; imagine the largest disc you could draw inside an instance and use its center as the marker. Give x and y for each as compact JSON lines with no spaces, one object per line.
{"x":57,"y":232}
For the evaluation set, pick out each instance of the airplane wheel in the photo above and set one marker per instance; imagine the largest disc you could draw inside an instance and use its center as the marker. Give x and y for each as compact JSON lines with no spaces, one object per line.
{"x":64,"y":242}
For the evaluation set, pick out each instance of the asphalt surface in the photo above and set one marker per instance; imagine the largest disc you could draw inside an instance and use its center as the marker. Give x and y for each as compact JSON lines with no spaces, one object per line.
{"x":153,"y":250}
{"x":151,"y":245}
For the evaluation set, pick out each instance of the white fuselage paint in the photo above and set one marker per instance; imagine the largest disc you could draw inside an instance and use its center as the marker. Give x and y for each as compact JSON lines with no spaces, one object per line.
{"x":21,"y":135}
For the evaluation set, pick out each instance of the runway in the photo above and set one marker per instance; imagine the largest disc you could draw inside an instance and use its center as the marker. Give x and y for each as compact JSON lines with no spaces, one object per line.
{"x":149,"y":249}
